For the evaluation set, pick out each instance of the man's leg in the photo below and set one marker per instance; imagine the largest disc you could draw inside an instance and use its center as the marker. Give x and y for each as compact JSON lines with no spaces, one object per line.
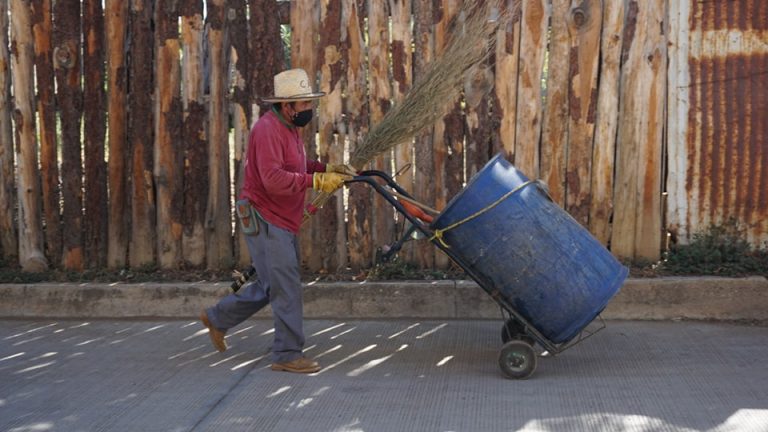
{"x":251,"y":298}
{"x":286,"y":299}
{"x":285,"y":295}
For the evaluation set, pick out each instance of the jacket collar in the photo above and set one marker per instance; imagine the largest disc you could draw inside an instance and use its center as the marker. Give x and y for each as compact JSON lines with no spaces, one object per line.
{"x":282,"y":119}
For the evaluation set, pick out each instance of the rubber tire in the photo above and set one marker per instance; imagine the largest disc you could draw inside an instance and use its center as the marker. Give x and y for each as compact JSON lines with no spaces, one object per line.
{"x":517,"y":359}
{"x":512,"y":330}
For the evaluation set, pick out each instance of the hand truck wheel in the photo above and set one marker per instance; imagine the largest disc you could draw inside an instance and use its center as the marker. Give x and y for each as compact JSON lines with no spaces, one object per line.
{"x":517,"y":359}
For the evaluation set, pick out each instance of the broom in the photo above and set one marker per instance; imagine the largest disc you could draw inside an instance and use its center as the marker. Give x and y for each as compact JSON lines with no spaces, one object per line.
{"x":432,"y":95}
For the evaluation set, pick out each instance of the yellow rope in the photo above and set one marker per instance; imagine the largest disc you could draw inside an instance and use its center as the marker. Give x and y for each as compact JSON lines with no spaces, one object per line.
{"x":439,"y":232}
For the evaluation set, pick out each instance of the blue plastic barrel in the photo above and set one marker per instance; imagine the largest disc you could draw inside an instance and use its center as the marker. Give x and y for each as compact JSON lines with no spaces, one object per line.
{"x":530,"y":251}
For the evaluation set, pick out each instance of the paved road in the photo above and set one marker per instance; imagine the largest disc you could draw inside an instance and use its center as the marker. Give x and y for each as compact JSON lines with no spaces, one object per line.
{"x":379,"y":376}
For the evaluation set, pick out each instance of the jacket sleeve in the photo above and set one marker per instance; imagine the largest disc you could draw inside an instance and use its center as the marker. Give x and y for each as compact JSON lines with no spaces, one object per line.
{"x":271,"y":166}
{"x":315,"y":166}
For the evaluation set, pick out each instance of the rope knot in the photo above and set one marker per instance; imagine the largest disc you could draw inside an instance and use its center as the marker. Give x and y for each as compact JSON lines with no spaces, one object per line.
{"x":438,"y":235}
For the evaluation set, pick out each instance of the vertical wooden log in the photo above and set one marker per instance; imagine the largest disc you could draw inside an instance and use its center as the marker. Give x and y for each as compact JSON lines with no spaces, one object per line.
{"x":140,"y":135}
{"x":533,"y":45}
{"x":330,"y":146}
{"x":9,"y":245}
{"x":218,"y":211}
{"x":584,"y":26}
{"x":601,"y":209}
{"x":193,"y":132}
{"x":424,"y":53}
{"x":267,"y":47}
{"x":402,"y":80}
{"x":446,"y":12}
{"x":305,"y":16}
{"x":305,"y":20}
{"x":449,"y":133}
{"x":31,"y":255}
{"x":94,"y":128}
{"x":651,"y":88}
{"x":379,"y":94}
{"x":477,"y":86}
{"x":681,"y":202}
{"x":448,"y":139}
{"x":554,"y":139}
{"x":240,"y":106}
{"x":42,"y":26}
{"x":195,"y":191}
{"x":637,"y":220}
{"x":507,"y":64}
{"x":66,"y":32}
{"x":625,"y":195}
{"x":359,"y":210}
{"x":116,"y":16}
{"x":167,"y":149}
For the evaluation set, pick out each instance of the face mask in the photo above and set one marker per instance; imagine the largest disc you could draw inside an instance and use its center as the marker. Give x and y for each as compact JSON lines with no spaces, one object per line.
{"x":302,"y":118}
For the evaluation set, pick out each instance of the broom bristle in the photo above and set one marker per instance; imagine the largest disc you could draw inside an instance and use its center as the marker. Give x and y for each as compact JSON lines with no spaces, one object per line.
{"x":433,"y":94}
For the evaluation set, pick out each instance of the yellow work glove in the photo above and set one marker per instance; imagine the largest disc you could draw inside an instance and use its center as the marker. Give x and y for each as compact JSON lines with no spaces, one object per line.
{"x":328,"y":182}
{"x":341,"y":169}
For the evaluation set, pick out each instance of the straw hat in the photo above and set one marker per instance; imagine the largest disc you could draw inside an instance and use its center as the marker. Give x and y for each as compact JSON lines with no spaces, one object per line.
{"x":293,"y":85}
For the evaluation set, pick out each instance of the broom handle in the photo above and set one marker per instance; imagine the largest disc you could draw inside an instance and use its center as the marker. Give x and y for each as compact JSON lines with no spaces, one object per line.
{"x":414,"y":202}
{"x":323,"y":197}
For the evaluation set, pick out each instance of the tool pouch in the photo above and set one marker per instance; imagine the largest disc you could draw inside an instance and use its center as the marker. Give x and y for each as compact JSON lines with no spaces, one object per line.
{"x":247,"y":217}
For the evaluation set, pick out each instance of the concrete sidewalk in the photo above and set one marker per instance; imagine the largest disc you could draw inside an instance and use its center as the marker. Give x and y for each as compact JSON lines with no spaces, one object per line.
{"x":648,"y":299}
{"x":394,"y":375}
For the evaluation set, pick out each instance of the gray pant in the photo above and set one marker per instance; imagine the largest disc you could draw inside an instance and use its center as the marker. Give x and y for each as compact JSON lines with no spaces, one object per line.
{"x":275,"y":256}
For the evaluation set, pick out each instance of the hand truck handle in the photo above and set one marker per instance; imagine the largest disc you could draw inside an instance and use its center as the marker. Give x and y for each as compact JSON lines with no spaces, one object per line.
{"x":368,"y":177}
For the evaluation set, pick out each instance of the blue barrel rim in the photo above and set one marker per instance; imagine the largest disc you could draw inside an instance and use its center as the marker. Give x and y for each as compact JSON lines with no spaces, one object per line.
{"x":475,"y":178}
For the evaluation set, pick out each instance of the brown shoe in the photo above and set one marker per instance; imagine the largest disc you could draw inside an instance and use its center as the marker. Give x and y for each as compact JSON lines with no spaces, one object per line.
{"x":300,"y":365}
{"x":217,"y":336}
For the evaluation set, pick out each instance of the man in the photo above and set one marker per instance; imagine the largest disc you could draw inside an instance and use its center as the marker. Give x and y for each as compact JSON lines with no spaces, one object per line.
{"x":277,"y":174}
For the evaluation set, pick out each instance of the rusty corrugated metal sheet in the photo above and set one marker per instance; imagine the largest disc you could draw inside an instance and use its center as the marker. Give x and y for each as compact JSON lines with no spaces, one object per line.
{"x":726,"y":171}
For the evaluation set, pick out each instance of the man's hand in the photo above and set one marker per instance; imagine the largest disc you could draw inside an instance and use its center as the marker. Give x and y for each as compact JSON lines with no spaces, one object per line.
{"x":328,"y":182}
{"x":341,"y":169}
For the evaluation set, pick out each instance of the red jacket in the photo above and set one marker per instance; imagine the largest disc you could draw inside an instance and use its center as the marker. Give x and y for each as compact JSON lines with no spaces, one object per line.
{"x":277,"y":172}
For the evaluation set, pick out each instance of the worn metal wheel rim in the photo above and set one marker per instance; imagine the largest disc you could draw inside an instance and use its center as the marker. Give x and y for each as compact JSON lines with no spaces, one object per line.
{"x":517,"y":359}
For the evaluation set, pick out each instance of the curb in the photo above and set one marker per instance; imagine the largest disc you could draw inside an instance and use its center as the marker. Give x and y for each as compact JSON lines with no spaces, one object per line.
{"x":697,"y":298}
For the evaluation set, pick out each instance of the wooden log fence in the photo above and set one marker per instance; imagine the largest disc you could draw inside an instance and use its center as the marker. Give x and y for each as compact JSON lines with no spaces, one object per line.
{"x":218,"y":215}
{"x":331,"y":134}
{"x":165,"y":92}
{"x":240,"y":110}
{"x":141,"y":247}
{"x":193,"y":136}
{"x":424,"y":187}
{"x":67,"y":55}
{"x":168,"y":157}
{"x":9,"y":244}
{"x":42,"y":27}
{"x":30,"y":230}
{"x":637,"y":213}
{"x":95,"y":196}
{"x":358,"y":219}
{"x":116,"y":14}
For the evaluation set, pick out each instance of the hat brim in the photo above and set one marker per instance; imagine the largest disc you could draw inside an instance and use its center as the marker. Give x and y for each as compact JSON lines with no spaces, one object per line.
{"x":304,"y":97}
